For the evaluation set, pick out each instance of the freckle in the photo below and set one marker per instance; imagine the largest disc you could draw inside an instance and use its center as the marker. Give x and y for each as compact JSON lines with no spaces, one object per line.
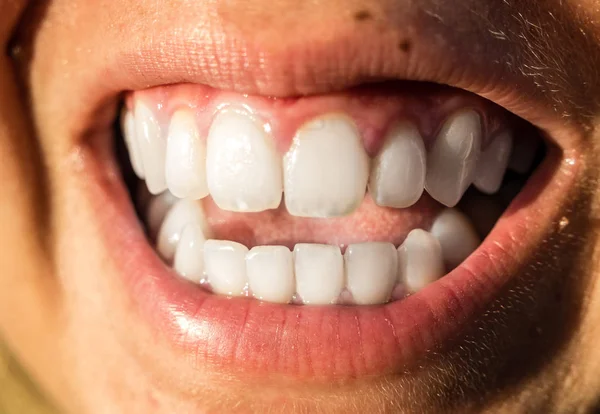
{"x":362,"y":15}
{"x":404,"y":46}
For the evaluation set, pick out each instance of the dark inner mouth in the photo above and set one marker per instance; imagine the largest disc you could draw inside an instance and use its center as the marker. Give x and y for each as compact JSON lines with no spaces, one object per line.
{"x":363,"y":225}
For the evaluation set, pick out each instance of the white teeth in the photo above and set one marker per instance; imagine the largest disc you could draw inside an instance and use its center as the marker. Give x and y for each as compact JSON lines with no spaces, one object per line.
{"x":242,"y":166}
{"x":398,"y":171}
{"x":225,"y":267}
{"x":492,"y":164}
{"x":452,"y":162}
{"x":419,"y":260}
{"x":456,"y":235}
{"x":326,"y":169}
{"x":131,"y":141}
{"x":185,"y":166}
{"x":183,"y":213}
{"x":189,"y":255}
{"x":371,"y":272}
{"x":319,"y":272}
{"x":271,"y":273}
{"x":157,"y":210}
{"x":152,"y":148}
{"x":523,"y":155}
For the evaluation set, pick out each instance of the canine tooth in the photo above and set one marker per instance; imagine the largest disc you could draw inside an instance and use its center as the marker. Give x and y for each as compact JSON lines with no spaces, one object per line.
{"x":225,"y":266}
{"x":243,"y":167}
{"x":270,"y":272}
{"x":131,"y":141}
{"x":326,"y":169}
{"x":152,"y":148}
{"x":523,"y":155}
{"x":157,"y":210}
{"x":456,"y":235}
{"x":452,"y":162}
{"x":419,"y":260}
{"x":185,"y":165}
{"x":319,"y":272}
{"x":398,"y":172}
{"x":492,"y":164}
{"x":189,"y":254}
{"x":183,"y":213}
{"x":371,"y":272}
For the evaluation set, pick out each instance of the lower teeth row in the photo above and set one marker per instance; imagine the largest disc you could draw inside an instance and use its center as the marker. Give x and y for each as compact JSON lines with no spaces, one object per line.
{"x":313,"y":274}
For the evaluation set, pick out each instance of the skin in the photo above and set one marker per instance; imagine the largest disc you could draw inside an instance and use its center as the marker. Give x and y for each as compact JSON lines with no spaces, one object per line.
{"x":533,"y":350}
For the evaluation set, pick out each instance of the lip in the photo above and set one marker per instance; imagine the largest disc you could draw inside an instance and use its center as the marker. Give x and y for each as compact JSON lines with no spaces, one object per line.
{"x":246,"y":336}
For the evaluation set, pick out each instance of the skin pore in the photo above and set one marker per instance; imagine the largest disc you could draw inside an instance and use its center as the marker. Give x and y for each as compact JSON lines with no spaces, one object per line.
{"x":533,"y":349}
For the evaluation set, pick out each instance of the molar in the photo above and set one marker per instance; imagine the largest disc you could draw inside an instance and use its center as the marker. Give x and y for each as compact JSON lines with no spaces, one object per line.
{"x":326,"y":169}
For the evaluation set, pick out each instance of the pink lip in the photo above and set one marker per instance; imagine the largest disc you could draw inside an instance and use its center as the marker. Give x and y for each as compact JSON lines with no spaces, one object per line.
{"x":247,"y":336}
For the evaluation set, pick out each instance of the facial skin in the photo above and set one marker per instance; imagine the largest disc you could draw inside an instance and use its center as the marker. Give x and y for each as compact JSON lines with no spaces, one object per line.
{"x":534,"y":349}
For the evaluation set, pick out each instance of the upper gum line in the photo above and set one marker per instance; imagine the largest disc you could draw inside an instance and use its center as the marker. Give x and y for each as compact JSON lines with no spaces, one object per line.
{"x":373,"y":115}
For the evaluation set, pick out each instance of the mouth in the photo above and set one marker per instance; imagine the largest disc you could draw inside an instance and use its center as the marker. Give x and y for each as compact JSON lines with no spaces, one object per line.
{"x":269,"y":228}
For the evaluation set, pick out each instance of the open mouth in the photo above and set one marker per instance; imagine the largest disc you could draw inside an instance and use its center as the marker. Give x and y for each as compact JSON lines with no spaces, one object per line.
{"x":354,"y":198}
{"x":325,"y":210}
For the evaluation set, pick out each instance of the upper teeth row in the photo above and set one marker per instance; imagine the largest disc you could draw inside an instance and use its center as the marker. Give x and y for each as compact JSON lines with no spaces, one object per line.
{"x":369,"y":272}
{"x":325,"y":172}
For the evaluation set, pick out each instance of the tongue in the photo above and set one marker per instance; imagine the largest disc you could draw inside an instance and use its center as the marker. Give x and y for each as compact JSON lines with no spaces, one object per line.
{"x":369,"y":222}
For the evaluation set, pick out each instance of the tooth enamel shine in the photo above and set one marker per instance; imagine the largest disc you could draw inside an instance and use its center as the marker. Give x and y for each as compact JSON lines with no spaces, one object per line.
{"x":452,"y":162}
{"x":456,"y":235}
{"x":131,"y":141}
{"x":326,"y":169}
{"x":243,"y":168}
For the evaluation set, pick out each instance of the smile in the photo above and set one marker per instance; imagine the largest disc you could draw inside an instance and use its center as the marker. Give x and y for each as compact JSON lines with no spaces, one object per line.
{"x":322,"y":225}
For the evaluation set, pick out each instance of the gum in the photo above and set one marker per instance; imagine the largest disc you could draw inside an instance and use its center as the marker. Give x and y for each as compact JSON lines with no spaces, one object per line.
{"x":374,"y":108}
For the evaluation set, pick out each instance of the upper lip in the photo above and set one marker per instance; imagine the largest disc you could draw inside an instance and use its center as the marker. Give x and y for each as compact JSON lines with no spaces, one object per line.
{"x":205,"y":44}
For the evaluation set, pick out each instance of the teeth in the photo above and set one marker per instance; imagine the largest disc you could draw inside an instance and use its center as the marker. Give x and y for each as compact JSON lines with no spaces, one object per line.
{"x":185,"y":165}
{"x":225,"y":267}
{"x":183,"y":213}
{"x":152,"y":148}
{"x":157,"y":210}
{"x":523,"y":155}
{"x":419,"y":260}
{"x":131,"y":141}
{"x":456,"y":235}
{"x":492,"y":164}
{"x":189,"y":254}
{"x":271,"y":273}
{"x":243,"y":168}
{"x":452,"y":162}
{"x":371,"y":272}
{"x":319,"y":272}
{"x":398,"y":171}
{"x":326,"y":169}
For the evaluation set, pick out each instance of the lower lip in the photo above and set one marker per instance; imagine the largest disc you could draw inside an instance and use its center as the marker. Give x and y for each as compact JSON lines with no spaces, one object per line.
{"x":248,"y":337}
